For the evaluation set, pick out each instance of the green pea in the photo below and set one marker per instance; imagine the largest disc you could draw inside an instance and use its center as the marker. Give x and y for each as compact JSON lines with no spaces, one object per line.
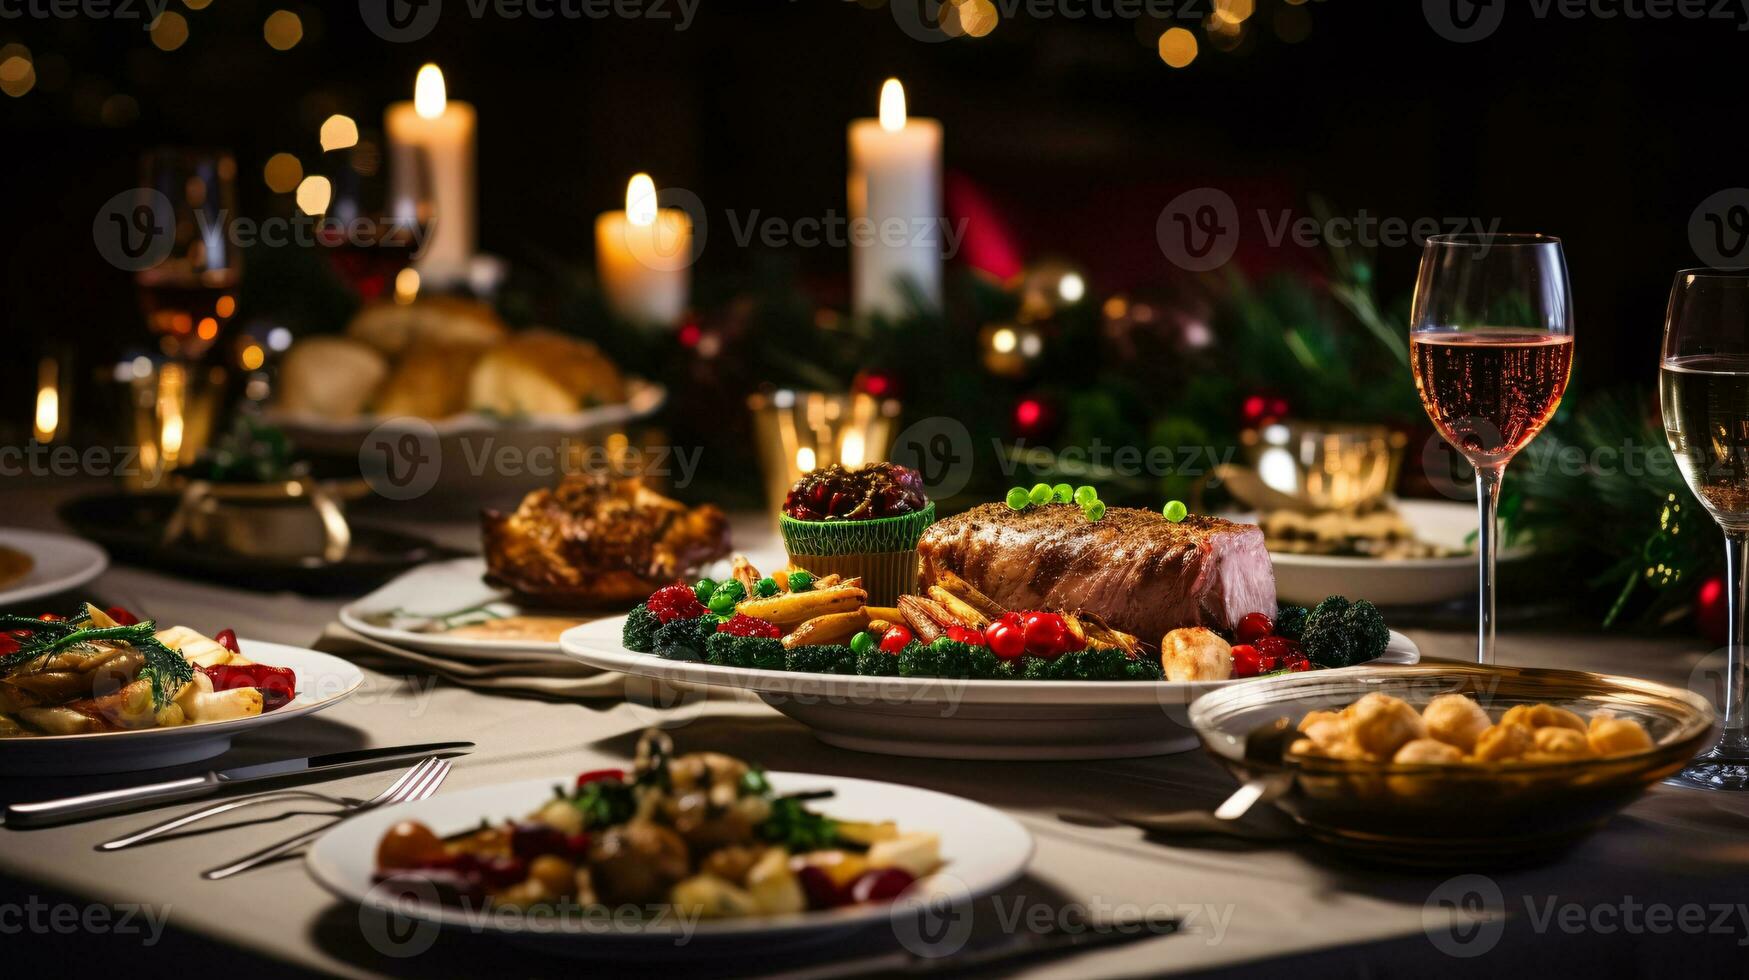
{"x":862,"y":643}
{"x":723,"y":604}
{"x":731,"y":588}
{"x":1175,"y":511}
{"x":1042,"y":494}
{"x":1095,"y":510}
{"x":1062,"y":493}
{"x":1085,"y":495}
{"x":801,"y":581}
{"x":1019,"y":499}
{"x":704,"y":589}
{"x":766,"y":587}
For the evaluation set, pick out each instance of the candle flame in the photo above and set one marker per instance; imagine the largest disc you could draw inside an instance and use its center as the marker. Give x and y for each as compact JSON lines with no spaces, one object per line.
{"x":429,"y":96}
{"x":641,"y":200}
{"x":48,"y":399}
{"x":892,"y":106}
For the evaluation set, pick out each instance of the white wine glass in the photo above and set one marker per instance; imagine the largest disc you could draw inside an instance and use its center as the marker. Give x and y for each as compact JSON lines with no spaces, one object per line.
{"x":1703,"y":387}
{"x":1491,"y":345}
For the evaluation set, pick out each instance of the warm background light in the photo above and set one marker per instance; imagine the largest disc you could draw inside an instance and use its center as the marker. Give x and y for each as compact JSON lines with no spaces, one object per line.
{"x":641,"y":200}
{"x":283,"y":30}
{"x":429,"y":95}
{"x":339,"y":132}
{"x":282,"y":173}
{"x":892,"y":106}
{"x":1177,"y":47}
{"x":314,"y":194}
{"x":170,"y":31}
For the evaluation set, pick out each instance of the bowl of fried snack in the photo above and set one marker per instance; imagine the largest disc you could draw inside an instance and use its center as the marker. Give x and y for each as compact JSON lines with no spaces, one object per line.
{"x":1444,"y":765}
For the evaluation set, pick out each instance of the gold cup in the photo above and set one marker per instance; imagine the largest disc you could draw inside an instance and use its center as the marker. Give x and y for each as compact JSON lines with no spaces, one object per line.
{"x":799,"y":431}
{"x":1319,"y":466}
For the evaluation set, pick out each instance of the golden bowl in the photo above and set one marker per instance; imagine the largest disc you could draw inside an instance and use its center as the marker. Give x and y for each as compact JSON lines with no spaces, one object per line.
{"x":1319,"y":465}
{"x":1458,"y":815}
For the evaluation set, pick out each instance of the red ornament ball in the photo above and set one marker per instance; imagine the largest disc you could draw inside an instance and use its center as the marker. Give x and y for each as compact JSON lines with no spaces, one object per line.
{"x":1710,"y":612}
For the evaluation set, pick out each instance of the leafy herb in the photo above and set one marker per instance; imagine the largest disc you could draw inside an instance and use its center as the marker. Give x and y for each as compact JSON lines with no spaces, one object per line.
{"x":167,"y":670}
{"x":794,"y":826}
{"x":605,"y":802}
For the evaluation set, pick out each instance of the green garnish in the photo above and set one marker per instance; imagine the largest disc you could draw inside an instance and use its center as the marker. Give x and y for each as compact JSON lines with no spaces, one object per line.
{"x":801,"y":581}
{"x":703,"y":589}
{"x":1042,"y":494}
{"x":167,"y":670}
{"x":1062,"y":493}
{"x":1085,"y":495}
{"x":766,"y":587}
{"x":1094,"y":511}
{"x":1019,"y":499}
{"x":862,"y":642}
{"x":798,"y":828}
{"x":605,"y":802}
{"x":1175,"y":511}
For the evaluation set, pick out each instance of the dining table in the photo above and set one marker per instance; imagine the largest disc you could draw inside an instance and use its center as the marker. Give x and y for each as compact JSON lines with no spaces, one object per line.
{"x":1662,"y":888}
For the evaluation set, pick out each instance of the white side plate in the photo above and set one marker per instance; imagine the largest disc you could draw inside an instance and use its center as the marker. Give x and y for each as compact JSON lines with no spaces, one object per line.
{"x":60,"y":563}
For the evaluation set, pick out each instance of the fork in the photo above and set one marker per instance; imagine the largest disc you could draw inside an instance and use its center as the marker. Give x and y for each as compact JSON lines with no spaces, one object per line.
{"x":417,"y":783}
{"x":276,"y":796}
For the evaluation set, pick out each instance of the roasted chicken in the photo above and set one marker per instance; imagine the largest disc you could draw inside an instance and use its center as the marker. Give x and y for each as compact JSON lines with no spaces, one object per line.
{"x":597,"y":541}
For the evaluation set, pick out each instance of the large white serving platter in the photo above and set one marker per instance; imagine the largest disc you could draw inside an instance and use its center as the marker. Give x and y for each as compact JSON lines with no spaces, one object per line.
{"x":323,"y":681}
{"x":60,"y":563}
{"x":1306,"y":579}
{"x":945,"y":718}
{"x":983,"y":850}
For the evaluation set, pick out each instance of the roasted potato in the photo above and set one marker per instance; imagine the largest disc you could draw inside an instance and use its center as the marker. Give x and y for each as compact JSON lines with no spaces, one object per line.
{"x":967,"y":613}
{"x":967,"y":593}
{"x":826,"y":630}
{"x":791,"y":609}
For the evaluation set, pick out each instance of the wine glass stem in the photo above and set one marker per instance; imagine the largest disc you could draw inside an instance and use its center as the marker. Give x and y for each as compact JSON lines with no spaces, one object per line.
{"x":1487,"y":544}
{"x":1734,"y":741}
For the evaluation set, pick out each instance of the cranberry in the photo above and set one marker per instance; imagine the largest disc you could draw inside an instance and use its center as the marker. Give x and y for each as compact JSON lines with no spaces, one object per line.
{"x":1278,"y":649}
{"x":1253,"y":627}
{"x":227,"y":639}
{"x":880,"y":885}
{"x":822,"y":891}
{"x":1247,"y":662}
{"x":494,"y":872}
{"x":577,"y":845}
{"x":531,"y":839}
{"x":1005,"y":639}
{"x":673,"y":602}
{"x":739,"y":625}
{"x":896,"y":638}
{"x":597,"y":775}
{"x":121,"y":616}
{"x":1297,"y":664}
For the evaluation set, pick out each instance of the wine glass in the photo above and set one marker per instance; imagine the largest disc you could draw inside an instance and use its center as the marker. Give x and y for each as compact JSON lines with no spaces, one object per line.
{"x":380,"y":213}
{"x":1491,"y":344}
{"x":189,"y":295}
{"x":1703,"y":383}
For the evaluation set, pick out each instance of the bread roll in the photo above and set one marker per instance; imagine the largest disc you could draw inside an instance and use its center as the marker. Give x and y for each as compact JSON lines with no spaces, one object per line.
{"x":395,"y":328}
{"x":428,"y":382}
{"x":329,"y":377}
{"x":538,"y":372}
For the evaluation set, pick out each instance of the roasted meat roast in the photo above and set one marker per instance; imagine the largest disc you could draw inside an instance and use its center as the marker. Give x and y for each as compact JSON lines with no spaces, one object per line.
{"x":1134,"y":569}
{"x":598,"y":541}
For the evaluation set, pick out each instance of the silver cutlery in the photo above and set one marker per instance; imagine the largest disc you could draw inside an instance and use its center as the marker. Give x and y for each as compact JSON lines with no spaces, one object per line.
{"x":46,"y":812}
{"x":416,"y":784}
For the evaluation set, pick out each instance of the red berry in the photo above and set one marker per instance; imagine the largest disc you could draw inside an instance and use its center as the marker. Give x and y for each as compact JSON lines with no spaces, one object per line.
{"x":1046,"y":634}
{"x":896,"y":638}
{"x":675,"y":602}
{"x":1297,"y":664}
{"x":1253,"y":627}
{"x":1006,"y":640}
{"x":822,"y":891}
{"x":597,"y":775}
{"x":739,"y":625}
{"x":959,"y":634}
{"x":121,"y":616}
{"x":227,"y":639}
{"x":880,"y":885}
{"x":1246,"y":661}
{"x":1278,"y":648}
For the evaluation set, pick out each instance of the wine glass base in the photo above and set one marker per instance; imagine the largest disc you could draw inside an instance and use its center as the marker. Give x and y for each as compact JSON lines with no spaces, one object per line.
{"x":1714,"y":770}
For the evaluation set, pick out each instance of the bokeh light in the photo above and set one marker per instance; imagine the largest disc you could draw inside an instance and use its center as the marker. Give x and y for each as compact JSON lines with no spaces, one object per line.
{"x":339,"y":132}
{"x":283,"y":173}
{"x":1177,"y":47}
{"x":314,"y":195}
{"x":283,"y":30}
{"x":170,"y":31}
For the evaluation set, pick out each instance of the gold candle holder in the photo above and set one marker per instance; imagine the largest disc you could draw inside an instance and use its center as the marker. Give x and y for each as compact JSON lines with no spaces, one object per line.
{"x":171,"y":412}
{"x":1325,"y":466}
{"x":799,"y":431}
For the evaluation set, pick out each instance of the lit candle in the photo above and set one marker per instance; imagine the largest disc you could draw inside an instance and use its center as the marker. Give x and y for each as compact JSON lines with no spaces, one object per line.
{"x":445,"y":130}
{"x":644,"y":257}
{"x":895,"y":208}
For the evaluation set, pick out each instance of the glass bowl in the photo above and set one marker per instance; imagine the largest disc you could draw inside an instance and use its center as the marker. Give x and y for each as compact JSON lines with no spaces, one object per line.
{"x":1446,"y":816}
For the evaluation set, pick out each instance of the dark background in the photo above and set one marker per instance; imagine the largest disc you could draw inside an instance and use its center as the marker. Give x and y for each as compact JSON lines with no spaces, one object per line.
{"x":1607,"y":132}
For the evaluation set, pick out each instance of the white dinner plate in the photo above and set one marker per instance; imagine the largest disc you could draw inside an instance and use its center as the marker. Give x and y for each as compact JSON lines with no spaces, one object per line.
{"x":323,"y":681}
{"x":441,"y":588}
{"x":983,"y":850}
{"x":1306,"y":579}
{"x":946,"y":718}
{"x":60,"y":563}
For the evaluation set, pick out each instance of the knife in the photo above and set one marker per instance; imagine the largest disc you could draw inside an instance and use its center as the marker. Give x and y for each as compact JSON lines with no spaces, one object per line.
{"x":1032,"y":946}
{"x":46,"y":812}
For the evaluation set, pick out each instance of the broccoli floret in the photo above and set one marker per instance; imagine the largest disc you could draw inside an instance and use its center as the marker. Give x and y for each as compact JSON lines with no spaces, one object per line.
{"x":987,"y":666}
{"x":956,"y":659}
{"x":1290,"y":622}
{"x":1327,"y":639}
{"x":1143,"y":669}
{"x":684,"y":639}
{"x":919,"y":660}
{"x":1367,"y":625}
{"x":640,"y":630}
{"x":877,"y":663}
{"x":1096,"y":664}
{"x":756,"y":652}
{"x":821,"y":660}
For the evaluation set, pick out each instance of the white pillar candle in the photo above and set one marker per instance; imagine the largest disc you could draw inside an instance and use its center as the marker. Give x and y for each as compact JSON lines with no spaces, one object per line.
{"x":445,"y":130}
{"x":895,"y":208}
{"x":643,"y":256}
